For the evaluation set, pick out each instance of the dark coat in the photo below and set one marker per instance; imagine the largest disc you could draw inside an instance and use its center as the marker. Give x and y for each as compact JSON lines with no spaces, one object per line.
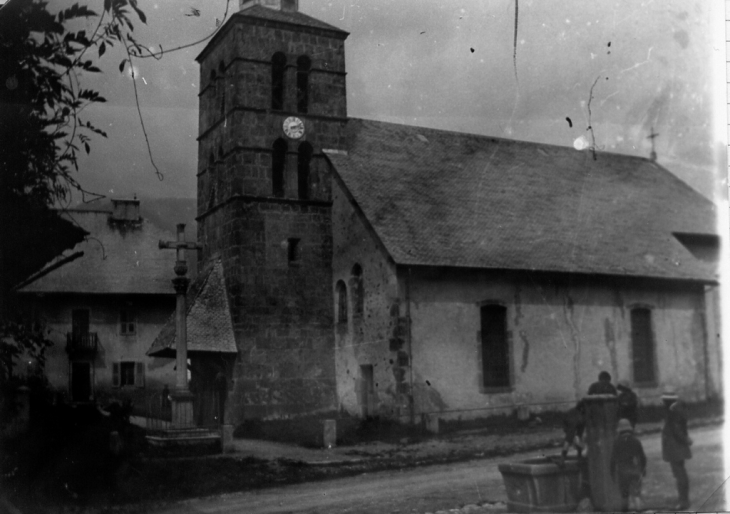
{"x":675,"y":438}
{"x":574,"y":424}
{"x":601,"y":387}
{"x":628,"y":457}
{"x":628,"y":405}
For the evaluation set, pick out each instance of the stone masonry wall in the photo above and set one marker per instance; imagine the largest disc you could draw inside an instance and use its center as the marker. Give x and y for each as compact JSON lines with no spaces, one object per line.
{"x":374,"y":337}
{"x":281,"y":310}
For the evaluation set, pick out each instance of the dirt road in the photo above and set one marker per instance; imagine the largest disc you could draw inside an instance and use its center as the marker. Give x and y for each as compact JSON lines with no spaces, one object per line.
{"x":444,"y":487}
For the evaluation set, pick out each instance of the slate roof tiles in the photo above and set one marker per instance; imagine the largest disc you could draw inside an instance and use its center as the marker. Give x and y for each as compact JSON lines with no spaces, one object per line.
{"x":439,"y":198}
{"x":209,"y":326}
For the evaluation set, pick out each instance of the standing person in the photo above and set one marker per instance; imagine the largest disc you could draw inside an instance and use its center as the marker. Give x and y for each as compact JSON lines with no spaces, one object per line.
{"x":603,"y":386}
{"x":628,"y":466}
{"x":628,"y":403}
{"x":574,"y":424}
{"x":676,"y":444}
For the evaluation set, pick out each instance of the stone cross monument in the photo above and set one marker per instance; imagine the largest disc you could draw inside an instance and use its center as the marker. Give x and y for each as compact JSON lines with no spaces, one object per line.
{"x":182,"y":399}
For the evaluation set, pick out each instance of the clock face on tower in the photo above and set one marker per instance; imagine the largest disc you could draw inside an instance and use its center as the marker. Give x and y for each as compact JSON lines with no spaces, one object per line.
{"x":293,"y":127}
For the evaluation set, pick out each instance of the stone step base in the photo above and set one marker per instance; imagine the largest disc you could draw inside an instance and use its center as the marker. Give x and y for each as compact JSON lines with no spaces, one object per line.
{"x":184,"y":443}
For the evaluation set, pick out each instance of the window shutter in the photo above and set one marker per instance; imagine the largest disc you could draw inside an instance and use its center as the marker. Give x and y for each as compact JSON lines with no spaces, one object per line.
{"x":139,"y":375}
{"x":115,"y":374}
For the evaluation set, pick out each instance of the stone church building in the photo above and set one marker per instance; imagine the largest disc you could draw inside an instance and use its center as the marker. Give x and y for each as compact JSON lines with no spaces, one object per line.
{"x":391,"y":270}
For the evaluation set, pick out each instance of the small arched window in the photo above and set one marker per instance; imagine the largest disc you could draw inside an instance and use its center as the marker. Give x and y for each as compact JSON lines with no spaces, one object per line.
{"x":304,"y":64}
{"x":278,"y":67}
{"x":358,"y":293}
{"x":212,"y":78}
{"x":220,"y":153}
{"x":304,"y":158}
{"x":341,"y":299}
{"x":211,"y":160}
{"x":278,"y":165}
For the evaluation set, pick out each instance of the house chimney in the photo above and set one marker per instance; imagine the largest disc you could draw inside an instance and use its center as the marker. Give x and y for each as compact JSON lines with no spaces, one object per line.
{"x":125,"y":211}
{"x":279,"y":5}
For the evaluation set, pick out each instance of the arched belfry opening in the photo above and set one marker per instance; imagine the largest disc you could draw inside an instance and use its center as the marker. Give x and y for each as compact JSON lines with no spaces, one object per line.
{"x":278,"y":68}
{"x":303,"y":163}
{"x":304,"y":64}
{"x":278,"y":167}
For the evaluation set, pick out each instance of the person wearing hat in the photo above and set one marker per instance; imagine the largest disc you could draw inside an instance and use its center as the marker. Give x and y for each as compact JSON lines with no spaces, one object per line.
{"x":676,"y":444}
{"x":628,"y":402}
{"x":628,"y":465}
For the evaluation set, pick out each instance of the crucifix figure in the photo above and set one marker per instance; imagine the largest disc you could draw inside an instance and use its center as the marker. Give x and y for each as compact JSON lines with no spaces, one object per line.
{"x":182,"y":399}
{"x":652,"y":136}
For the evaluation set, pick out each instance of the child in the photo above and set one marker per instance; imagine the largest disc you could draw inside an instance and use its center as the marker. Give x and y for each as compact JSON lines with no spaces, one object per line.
{"x":574,"y":424}
{"x":628,"y":465}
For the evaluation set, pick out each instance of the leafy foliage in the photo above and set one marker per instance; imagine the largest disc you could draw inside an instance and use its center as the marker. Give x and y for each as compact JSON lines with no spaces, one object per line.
{"x":43,"y":59}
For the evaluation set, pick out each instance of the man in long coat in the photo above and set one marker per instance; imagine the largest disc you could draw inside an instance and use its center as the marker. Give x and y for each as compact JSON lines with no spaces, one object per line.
{"x":676,"y":444}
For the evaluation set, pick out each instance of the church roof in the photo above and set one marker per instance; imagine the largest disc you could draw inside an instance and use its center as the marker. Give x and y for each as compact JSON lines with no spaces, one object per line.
{"x":116,"y":258}
{"x":209,"y":327}
{"x":440,"y":198}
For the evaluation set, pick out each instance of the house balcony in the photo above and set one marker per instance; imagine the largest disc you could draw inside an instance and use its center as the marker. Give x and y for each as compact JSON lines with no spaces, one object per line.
{"x":82,"y":344}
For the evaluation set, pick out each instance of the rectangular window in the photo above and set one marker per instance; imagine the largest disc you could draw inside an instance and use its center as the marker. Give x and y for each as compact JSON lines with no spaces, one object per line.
{"x":127,"y":323}
{"x":495,"y":347}
{"x":642,"y":345}
{"x":128,"y":373}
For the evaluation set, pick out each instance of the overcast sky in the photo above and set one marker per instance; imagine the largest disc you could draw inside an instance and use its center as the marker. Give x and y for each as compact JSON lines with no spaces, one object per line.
{"x":448,"y":64}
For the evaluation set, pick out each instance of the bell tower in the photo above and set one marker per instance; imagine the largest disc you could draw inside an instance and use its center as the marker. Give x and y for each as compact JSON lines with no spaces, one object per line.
{"x":272,"y":96}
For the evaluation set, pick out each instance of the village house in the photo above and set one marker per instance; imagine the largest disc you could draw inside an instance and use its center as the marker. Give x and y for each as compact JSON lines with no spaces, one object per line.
{"x":389,"y":270}
{"x":104,"y":301}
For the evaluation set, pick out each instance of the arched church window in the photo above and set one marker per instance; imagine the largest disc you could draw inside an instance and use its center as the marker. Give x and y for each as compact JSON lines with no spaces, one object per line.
{"x":341,"y":299}
{"x":304,"y":64}
{"x":278,"y":67}
{"x":211,"y":160}
{"x":305,"y":157}
{"x":358,"y":292}
{"x":278,"y":165}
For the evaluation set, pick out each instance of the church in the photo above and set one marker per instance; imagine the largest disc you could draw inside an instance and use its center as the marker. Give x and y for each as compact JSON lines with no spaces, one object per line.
{"x":378,"y":269}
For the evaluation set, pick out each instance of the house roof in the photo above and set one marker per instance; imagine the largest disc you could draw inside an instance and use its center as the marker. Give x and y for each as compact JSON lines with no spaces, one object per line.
{"x":439,"y":198}
{"x":117,"y":258}
{"x":209,"y":326}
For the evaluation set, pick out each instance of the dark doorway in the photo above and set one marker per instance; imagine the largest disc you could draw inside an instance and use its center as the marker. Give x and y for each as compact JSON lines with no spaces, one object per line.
{"x":81,"y":381}
{"x":80,"y":322}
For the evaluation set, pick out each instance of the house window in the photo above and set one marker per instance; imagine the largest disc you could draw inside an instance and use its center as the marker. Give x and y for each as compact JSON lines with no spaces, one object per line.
{"x":80,"y":322}
{"x":293,"y":250}
{"x":278,"y":165}
{"x":127,"y":323}
{"x":341,"y":298}
{"x":128,"y":373}
{"x":305,"y":156}
{"x":278,"y":67}
{"x":495,"y":347}
{"x":358,"y":293}
{"x":642,"y":345}
{"x":303,"y":66}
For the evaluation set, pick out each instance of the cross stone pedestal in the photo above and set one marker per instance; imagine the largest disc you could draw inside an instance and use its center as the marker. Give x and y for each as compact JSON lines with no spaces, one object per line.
{"x":182,"y":409}
{"x":601,"y":411}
